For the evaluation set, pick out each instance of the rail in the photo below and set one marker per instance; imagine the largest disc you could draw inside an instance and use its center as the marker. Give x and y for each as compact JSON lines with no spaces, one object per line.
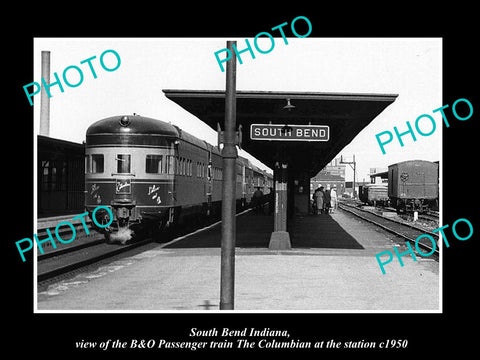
{"x":406,"y":231}
{"x":82,"y":239}
{"x":73,"y":260}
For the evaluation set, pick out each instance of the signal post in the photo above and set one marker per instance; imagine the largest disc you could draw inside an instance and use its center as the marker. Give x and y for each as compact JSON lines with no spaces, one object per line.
{"x":229,"y":155}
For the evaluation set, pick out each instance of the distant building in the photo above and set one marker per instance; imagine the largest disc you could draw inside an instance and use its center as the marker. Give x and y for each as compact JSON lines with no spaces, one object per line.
{"x":334,"y":167}
{"x":331,"y":175}
{"x":378,"y":175}
{"x":349,"y":187}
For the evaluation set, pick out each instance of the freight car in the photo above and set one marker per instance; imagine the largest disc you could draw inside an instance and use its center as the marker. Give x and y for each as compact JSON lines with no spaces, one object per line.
{"x":153,"y":175}
{"x":374,"y":194}
{"x":413,"y":185}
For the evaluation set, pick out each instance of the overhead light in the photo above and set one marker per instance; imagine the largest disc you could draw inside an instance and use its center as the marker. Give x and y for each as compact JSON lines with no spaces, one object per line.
{"x":286,"y":129}
{"x":289,"y":106}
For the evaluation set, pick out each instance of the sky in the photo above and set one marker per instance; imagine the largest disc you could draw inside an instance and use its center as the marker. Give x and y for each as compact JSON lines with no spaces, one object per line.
{"x":409,"y":67}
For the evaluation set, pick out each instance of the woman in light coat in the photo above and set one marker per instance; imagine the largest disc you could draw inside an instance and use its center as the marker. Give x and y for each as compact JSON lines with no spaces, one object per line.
{"x":333,"y":198}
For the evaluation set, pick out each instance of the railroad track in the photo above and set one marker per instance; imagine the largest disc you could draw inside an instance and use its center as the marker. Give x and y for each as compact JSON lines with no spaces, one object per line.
{"x":406,"y":231}
{"x":65,"y":262}
{"x":429,"y":217}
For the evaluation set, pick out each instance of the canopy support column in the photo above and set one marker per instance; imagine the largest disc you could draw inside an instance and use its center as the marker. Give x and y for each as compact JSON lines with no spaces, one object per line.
{"x":280,"y":238}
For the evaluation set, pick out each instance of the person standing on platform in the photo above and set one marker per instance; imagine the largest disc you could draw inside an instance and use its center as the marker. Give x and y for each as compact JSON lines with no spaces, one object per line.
{"x":333,"y":198}
{"x":326,"y":202}
{"x":319,"y":199}
{"x":257,"y":200}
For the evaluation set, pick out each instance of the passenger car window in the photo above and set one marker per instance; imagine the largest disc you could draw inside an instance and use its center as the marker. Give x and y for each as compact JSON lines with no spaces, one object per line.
{"x":154,"y":164}
{"x":123,"y":163}
{"x":97,"y":163}
{"x":87,"y":164}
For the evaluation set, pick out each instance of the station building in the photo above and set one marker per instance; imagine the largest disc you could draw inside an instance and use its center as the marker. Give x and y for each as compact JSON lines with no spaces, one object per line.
{"x":332,"y":175}
{"x":60,"y":177}
{"x":378,"y":175}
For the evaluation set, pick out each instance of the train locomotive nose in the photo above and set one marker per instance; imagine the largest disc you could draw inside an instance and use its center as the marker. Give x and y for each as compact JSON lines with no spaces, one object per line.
{"x":123,"y":202}
{"x":123,"y":212}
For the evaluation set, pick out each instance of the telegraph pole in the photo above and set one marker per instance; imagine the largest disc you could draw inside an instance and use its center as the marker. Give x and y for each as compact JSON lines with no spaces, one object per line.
{"x":44,"y":99}
{"x":229,"y":154}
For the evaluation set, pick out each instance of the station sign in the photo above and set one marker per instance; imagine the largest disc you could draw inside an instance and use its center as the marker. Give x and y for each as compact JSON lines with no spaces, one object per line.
{"x":289,"y":132}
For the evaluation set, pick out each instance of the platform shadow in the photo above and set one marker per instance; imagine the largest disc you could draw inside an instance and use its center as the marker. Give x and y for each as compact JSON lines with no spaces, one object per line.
{"x":254,"y":231}
{"x":320,"y":231}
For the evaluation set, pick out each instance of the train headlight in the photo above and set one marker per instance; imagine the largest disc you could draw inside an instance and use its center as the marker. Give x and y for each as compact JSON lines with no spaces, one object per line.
{"x":124,"y":121}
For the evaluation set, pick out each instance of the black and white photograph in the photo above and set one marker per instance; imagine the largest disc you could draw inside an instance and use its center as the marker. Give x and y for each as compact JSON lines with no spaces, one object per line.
{"x":220,"y":192}
{"x":330,"y":182}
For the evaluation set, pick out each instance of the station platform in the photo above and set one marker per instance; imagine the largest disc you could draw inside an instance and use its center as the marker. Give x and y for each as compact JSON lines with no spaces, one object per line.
{"x":330,"y":268}
{"x":81,"y":238}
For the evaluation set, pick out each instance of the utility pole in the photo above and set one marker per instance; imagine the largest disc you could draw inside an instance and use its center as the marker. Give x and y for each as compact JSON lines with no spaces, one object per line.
{"x":354,"y":170}
{"x":229,"y":154}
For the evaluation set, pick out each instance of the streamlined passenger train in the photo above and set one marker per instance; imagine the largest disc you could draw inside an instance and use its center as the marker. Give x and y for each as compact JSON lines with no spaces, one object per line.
{"x":153,"y":175}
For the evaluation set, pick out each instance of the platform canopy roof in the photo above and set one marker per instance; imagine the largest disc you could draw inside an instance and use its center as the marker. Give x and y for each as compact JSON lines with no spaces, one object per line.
{"x":346,"y":114}
{"x":383,"y":175}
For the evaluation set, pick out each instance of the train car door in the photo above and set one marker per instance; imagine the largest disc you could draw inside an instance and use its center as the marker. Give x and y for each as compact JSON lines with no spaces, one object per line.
{"x":209,"y":183}
{"x":171,"y":169}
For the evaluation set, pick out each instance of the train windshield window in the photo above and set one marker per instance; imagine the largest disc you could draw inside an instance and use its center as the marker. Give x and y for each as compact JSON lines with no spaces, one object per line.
{"x":153,"y":164}
{"x":97,"y":163}
{"x":123,"y":163}
{"x":87,"y":164}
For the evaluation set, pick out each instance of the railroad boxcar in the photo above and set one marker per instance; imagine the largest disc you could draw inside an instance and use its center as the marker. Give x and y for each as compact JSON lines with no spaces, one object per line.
{"x":374,"y":194}
{"x":413,"y":185}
